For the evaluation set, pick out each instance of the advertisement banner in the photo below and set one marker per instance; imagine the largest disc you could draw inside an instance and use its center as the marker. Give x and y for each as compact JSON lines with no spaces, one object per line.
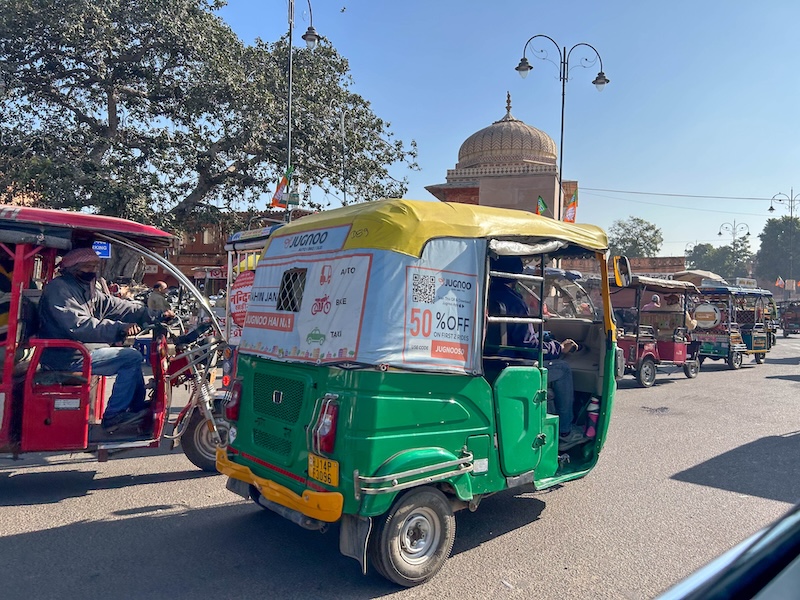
{"x":439,"y":315}
{"x":327,"y":324}
{"x":373,"y":307}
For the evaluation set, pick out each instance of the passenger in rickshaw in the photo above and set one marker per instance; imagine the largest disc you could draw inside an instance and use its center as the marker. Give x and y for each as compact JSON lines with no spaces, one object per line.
{"x":654,"y":304}
{"x":73,"y":308}
{"x":505,"y":300}
{"x":672,"y":304}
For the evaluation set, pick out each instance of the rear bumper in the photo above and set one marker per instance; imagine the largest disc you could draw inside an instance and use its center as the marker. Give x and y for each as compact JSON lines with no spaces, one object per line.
{"x":325,"y":506}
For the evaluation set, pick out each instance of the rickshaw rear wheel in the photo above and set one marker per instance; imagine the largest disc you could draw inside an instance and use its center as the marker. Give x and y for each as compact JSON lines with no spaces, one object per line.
{"x":412,"y":541}
{"x":735,"y":360}
{"x":197,"y":443}
{"x":646,"y":375}
{"x":760,"y":357}
{"x":785,"y":332}
{"x":691,"y":368}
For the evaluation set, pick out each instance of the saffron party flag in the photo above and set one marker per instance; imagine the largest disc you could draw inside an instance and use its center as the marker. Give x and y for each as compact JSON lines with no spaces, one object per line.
{"x":779,"y":282}
{"x":572,"y":209}
{"x":278,"y":199}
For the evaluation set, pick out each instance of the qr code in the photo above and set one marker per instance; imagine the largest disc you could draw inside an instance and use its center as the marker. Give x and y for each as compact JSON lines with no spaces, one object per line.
{"x":423,"y":288}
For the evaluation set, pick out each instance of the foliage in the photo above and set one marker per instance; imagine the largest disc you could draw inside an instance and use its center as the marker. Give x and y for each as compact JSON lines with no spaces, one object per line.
{"x":154,"y":110}
{"x":634,"y":238}
{"x":729,"y":262}
{"x":778,"y":255}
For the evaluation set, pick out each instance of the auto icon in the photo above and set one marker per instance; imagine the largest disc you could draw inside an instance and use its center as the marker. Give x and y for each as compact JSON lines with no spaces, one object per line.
{"x":315,"y":337}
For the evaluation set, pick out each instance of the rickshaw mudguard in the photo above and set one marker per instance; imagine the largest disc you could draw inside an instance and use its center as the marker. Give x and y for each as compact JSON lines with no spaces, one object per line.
{"x":325,"y":506}
{"x":413,"y":468}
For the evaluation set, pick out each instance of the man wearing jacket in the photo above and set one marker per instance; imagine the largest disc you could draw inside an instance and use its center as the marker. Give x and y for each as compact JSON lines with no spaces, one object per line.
{"x":504,"y":299}
{"x":73,"y":308}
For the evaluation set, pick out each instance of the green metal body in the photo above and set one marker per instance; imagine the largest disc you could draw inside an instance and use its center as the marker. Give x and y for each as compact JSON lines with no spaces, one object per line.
{"x":391,"y":422}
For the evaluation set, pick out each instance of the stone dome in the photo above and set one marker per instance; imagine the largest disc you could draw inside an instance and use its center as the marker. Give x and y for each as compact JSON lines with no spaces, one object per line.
{"x":508,"y":140}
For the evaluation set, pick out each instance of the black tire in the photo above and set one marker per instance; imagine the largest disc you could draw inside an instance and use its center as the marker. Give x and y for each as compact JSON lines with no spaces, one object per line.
{"x":646,"y":375}
{"x":785,"y":333}
{"x":735,"y":360}
{"x":412,"y":541}
{"x":760,"y":357}
{"x":691,"y":368}
{"x":197,"y":444}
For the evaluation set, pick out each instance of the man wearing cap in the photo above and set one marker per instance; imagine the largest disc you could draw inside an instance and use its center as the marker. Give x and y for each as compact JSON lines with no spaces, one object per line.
{"x":73,"y":308}
{"x":654,"y":304}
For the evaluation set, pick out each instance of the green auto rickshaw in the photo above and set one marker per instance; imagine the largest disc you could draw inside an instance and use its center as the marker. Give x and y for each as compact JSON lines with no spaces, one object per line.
{"x":375,"y":389}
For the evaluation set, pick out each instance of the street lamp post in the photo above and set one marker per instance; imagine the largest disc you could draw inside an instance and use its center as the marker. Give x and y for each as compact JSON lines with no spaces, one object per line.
{"x":734,"y":229}
{"x":563,"y":75}
{"x":311,"y":38}
{"x":788,"y":200}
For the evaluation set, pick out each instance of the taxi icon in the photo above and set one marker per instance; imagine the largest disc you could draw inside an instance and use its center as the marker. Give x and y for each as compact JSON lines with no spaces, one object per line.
{"x":315,"y":337}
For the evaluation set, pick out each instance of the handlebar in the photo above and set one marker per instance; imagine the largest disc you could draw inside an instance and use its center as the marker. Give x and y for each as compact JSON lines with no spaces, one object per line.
{"x":193,"y":335}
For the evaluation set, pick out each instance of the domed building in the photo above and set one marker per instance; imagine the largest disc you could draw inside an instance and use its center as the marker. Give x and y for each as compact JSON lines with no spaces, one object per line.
{"x":507,"y":164}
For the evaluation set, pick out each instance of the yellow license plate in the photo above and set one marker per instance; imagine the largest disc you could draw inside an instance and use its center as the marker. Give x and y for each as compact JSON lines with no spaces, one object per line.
{"x":323,"y":469}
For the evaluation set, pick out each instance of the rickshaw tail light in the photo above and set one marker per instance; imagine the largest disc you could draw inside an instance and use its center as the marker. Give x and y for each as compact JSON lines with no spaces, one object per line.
{"x":226,"y":381}
{"x":325,"y":430}
{"x":234,"y":401}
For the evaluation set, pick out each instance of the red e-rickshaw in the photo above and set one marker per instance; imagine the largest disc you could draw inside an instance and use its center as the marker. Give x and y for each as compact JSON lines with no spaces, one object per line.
{"x":52,"y":411}
{"x":654,"y":338}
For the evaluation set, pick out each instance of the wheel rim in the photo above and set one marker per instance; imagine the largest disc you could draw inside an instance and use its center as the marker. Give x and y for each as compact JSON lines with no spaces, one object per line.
{"x":648,"y":372}
{"x":204,"y":442}
{"x":420,"y":536}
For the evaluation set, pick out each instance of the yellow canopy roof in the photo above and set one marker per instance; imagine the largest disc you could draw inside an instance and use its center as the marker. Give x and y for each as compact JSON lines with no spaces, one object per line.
{"x":248,"y":263}
{"x":407,"y":225}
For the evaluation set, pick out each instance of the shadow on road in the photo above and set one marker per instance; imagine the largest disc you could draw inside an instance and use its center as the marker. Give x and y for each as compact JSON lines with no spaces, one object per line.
{"x":761,"y":468}
{"x":229,"y":551}
{"x":792,"y":361}
{"x":784,"y":377}
{"x":628,"y":383}
{"x":51,"y":487}
{"x":497,"y":515}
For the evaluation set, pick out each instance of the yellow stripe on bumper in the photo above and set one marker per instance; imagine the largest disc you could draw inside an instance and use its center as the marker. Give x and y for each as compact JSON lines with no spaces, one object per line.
{"x":325,"y":506}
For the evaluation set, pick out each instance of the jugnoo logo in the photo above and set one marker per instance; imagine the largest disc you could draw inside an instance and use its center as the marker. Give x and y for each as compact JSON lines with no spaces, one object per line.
{"x":305,"y":240}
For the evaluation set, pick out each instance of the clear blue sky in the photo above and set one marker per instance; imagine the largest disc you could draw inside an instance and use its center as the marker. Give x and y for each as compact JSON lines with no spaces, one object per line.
{"x":702,"y":101}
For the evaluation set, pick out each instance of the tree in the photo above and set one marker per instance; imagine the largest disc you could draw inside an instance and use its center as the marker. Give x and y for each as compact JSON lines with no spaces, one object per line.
{"x":634,"y":238}
{"x":154,"y":110}
{"x":777,"y":255}
{"x":729,"y":262}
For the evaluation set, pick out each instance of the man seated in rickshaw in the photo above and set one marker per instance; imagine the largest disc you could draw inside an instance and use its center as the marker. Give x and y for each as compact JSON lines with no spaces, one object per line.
{"x":73,"y":308}
{"x":505,"y":300}
{"x":672,"y":304}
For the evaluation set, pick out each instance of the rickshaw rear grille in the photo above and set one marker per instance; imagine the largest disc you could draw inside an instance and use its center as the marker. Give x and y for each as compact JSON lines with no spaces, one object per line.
{"x":291,"y":400}
{"x":272,"y":443}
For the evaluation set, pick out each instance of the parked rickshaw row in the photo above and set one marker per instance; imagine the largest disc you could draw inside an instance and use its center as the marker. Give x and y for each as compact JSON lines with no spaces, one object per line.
{"x":665,"y":324}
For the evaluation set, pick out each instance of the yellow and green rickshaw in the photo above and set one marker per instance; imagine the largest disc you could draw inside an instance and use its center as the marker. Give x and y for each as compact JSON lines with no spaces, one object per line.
{"x":373,"y":389}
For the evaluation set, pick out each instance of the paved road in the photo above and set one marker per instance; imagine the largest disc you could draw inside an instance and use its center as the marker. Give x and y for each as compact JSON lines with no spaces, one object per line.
{"x":690,"y":468}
